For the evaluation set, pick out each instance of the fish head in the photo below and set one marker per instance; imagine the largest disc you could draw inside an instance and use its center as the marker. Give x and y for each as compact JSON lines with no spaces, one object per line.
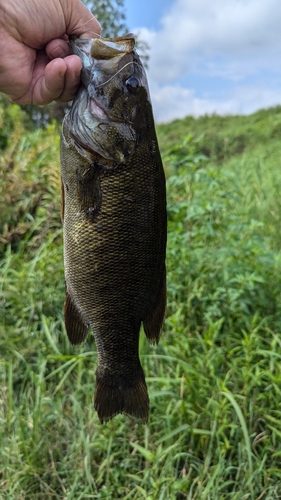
{"x":110,"y":112}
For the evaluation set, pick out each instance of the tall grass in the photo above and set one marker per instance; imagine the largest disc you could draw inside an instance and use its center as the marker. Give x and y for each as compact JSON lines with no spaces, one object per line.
{"x":215,"y":378}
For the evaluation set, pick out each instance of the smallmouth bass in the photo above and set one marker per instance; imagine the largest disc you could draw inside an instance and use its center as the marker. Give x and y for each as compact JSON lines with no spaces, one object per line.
{"x":114,"y":221}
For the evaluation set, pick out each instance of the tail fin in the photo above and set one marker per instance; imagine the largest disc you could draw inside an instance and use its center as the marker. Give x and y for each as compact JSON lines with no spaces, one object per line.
{"x":121,"y":394}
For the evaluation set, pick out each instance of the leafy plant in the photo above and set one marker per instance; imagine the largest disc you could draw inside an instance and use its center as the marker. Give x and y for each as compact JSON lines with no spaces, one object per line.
{"x":29,"y":185}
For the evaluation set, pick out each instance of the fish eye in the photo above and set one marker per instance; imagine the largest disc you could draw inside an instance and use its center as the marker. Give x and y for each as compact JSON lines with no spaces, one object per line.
{"x":132,"y":84}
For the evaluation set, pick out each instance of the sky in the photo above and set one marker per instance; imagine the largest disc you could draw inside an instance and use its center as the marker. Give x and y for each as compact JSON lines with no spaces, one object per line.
{"x":210,"y":56}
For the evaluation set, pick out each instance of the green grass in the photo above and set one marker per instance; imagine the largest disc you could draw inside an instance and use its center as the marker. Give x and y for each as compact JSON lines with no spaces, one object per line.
{"x":215,"y":378}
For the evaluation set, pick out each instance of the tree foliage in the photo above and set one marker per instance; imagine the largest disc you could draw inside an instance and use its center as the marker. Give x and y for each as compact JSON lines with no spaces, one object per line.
{"x":110,"y":14}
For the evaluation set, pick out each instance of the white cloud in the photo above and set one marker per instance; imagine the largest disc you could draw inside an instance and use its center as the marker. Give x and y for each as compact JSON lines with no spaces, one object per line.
{"x":174,"y":101}
{"x":231,"y":40}
{"x":196,"y":30}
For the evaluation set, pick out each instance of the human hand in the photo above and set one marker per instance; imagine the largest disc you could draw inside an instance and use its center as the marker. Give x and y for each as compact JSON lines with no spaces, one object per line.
{"x":35,"y":62}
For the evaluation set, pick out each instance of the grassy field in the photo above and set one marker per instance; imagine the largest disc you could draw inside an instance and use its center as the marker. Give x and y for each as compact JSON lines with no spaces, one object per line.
{"x":215,"y":378}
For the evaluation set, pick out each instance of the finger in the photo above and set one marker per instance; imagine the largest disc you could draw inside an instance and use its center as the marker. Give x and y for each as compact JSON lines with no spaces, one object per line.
{"x":58,"y":79}
{"x":61,"y":80}
{"x":71,"y":79}
{"x":82,"y":22}
{"x":57,"y":48}
{"x":50,"y":83}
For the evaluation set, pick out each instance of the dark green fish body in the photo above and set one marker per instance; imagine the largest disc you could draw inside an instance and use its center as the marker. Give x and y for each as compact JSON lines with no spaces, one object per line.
{"x":114,"y":221}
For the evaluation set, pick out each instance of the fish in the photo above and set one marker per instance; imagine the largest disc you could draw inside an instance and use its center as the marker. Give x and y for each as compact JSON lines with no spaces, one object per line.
{"x":114,"y":221}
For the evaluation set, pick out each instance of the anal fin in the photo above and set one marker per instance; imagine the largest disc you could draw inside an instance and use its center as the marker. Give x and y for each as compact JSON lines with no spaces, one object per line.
{"x":76,"y":329}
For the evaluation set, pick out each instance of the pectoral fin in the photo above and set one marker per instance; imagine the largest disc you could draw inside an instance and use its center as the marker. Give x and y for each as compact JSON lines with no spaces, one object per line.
{"x":76,"y":328}
{"x":89,"y":191}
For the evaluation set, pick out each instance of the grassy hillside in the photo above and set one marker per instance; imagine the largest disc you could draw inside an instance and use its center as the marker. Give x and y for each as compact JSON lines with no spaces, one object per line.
{"x":225,"y":136}
{"x":248,"y":147}
{"x":215,"y":378}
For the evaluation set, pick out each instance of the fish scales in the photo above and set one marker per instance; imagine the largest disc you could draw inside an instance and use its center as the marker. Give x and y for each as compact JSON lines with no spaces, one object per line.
{"x":114,"y":225}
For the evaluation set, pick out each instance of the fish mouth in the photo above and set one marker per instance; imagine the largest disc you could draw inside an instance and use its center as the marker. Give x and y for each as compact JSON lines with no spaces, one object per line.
{"x":100,"y":114}
{"x":97,"y":111}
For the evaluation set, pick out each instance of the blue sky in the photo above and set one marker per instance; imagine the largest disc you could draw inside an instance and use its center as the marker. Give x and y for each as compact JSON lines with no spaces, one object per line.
{"x":146,"y":12}
{"x":210,"y":56}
